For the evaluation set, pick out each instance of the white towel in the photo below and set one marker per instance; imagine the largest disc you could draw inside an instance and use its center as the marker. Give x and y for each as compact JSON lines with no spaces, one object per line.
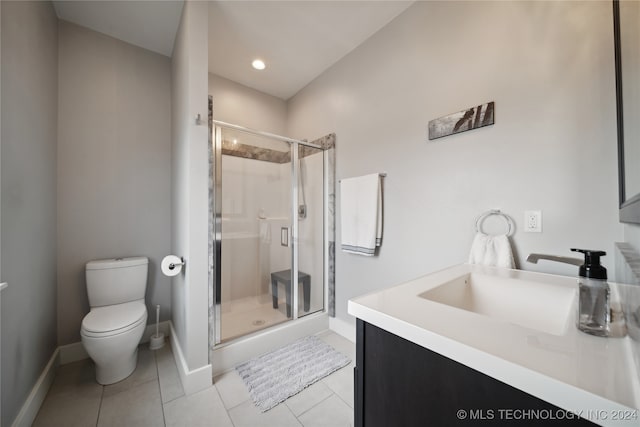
{"x":494,"y":251}
{"x":361,"y":214}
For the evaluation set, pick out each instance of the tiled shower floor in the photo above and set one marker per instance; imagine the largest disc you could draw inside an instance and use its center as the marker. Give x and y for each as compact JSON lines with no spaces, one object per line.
{"x":250,"y":314}
{"x":153,"y":396}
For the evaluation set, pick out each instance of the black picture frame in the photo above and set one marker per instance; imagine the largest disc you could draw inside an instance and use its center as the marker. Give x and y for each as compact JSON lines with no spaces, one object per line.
{"x":629,"y":204}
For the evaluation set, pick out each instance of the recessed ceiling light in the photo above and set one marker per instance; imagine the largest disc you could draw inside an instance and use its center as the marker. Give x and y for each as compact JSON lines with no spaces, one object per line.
{"x":258,"y":64}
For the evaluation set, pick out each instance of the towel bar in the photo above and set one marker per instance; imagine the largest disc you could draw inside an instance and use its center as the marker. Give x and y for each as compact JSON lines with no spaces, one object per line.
{"x":382,"y":175}
{"x":490,"y":212}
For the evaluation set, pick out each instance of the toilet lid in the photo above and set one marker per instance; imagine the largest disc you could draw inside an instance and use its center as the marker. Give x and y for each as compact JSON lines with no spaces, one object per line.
{"x":113,"y":317}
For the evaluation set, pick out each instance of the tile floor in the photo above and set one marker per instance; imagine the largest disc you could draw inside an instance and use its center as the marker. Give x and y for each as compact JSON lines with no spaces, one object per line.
{"x":153,"y":396}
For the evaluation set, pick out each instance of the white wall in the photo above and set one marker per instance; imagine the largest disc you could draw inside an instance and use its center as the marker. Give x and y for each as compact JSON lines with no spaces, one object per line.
{"x":548,"y":66}
{"x":238,"y":104}
{"x":28,"y":202}
{"x":189,"y":192}
{"x":114,"y":166}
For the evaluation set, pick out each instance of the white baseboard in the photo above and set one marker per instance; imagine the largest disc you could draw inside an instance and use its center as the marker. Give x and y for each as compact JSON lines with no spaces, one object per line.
{"x":74,"y":352}
{"x":340,"y":327}
{"x":31,"y":406}
{"x":192,"y":380}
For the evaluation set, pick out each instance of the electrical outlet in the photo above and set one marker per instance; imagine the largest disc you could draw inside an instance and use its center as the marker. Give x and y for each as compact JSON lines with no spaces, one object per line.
{"x":533,"y":221}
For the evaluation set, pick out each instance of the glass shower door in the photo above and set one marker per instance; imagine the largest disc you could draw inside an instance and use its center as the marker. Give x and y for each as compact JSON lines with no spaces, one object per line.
{"x":253,"y":207}
{"x":311,"y":238}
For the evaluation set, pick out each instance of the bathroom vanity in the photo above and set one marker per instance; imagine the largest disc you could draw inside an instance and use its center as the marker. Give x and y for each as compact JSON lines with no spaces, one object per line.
{"x":471,"y":345}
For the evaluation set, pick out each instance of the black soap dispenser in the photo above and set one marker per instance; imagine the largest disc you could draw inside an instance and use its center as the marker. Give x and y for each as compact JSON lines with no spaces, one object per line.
{"x":593,"y":294}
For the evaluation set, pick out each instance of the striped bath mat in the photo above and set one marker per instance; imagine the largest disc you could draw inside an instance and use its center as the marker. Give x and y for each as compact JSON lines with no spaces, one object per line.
{"x":278,"y":375}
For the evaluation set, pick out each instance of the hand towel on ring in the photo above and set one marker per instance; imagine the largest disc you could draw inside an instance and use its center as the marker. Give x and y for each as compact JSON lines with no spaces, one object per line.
{"x":494,"y":251}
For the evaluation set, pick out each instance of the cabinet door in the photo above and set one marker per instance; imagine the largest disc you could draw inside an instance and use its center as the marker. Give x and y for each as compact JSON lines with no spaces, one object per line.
{"x":399,"y":383}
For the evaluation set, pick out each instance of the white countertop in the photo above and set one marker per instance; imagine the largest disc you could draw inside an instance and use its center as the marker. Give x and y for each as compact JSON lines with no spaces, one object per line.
{"x":591,"y":376}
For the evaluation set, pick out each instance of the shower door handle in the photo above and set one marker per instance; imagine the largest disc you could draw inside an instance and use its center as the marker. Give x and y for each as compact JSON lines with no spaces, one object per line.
{"x":284,"y":236}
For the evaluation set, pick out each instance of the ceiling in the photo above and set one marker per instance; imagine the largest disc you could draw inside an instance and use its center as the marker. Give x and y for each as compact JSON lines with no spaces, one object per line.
{"x":151,"y":24}
{"x":297,"y":40}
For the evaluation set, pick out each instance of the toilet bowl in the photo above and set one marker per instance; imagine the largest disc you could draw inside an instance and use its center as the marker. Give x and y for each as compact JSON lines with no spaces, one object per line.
{"x":111,"y":336}
{"x":112,"y":330}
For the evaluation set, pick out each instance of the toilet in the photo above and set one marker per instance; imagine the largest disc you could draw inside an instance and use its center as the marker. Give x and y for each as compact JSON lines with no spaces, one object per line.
{"x":112,"y":330}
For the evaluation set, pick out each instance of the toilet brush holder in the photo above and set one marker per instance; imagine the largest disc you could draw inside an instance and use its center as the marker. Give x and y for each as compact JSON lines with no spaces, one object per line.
{"x":157,"y":340}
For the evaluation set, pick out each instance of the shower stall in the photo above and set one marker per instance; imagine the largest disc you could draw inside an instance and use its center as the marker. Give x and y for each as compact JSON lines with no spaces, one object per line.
{"x":270,"y":232}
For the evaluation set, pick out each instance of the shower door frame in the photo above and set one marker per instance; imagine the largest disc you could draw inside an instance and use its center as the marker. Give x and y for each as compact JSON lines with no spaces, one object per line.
{"x":215,"y":278}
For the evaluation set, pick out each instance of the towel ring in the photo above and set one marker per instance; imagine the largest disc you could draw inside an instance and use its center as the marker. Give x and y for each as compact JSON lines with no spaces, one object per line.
{"x":487,"y":214}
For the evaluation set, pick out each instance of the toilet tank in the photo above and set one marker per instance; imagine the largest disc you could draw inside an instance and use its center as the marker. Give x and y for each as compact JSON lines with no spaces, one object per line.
{"x":116,"y":281}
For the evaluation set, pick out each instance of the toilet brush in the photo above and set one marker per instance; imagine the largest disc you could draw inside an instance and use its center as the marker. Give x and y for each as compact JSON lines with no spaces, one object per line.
{"x":157,"y":340}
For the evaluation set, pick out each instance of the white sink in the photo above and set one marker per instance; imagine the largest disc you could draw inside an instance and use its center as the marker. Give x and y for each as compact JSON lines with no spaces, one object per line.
{"x":515,"y":326}
{"x":535,"y":305}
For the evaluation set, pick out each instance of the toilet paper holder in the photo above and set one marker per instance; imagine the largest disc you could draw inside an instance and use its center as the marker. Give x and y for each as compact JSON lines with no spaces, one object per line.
{"x":173,"y":265}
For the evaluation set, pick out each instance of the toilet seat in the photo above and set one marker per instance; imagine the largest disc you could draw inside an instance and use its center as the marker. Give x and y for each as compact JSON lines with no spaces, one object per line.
{"x":114,"y":319}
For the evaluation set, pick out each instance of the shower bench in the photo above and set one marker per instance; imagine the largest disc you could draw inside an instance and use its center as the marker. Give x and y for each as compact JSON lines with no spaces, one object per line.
{"x":284,"y":277}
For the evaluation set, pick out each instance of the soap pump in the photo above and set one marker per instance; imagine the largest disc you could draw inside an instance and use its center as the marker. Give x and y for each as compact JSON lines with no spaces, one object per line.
{"x":593,"y":294}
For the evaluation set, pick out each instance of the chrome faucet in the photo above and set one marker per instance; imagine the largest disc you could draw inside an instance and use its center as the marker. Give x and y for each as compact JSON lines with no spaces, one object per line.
{"x":533,"y":258}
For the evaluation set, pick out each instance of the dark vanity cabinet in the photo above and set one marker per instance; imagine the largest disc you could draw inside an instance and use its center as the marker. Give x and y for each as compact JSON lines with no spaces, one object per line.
{"x":399,"y":383}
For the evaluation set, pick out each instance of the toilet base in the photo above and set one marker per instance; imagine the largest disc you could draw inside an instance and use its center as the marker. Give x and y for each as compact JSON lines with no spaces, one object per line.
{"x":115,"y":355}
{"x":114,"y":372}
